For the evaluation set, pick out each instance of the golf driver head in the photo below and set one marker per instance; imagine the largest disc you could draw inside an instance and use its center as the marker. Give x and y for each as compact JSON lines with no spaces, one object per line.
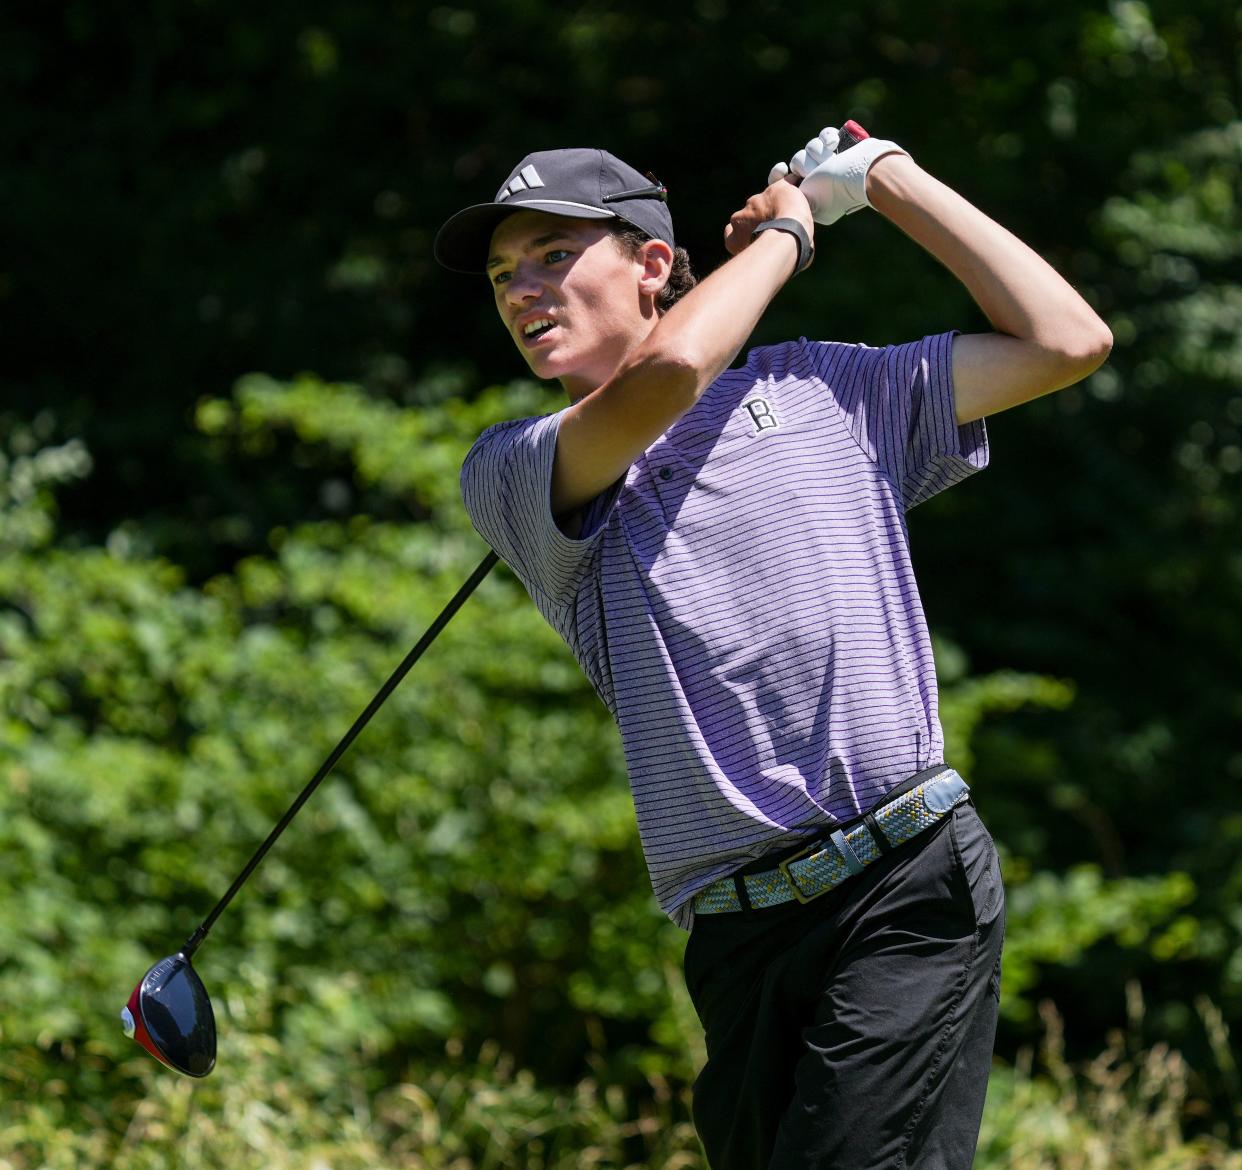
{"x":170,"y":1015}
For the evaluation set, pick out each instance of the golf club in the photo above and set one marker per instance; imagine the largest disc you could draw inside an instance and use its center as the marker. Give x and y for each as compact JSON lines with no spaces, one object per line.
{"x":169,"y":1012}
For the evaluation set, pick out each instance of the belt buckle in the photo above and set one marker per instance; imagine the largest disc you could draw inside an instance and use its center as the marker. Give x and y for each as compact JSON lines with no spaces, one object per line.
{"x":783,"y":866}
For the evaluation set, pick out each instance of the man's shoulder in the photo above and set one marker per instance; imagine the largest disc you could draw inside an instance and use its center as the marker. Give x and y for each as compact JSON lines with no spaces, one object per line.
{"x":499,"y":429}
{"x":505,"y":432}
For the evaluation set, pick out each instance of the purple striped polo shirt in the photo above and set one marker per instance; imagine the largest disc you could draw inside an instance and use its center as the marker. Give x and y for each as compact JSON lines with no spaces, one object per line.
{"x":743,"y":601}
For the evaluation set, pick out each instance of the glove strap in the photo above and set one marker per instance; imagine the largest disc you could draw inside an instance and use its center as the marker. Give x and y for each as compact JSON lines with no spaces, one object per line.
{"x":806,"y":250}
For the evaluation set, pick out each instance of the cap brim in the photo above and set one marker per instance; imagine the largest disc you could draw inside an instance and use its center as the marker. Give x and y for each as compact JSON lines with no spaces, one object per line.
{"x":461,"y":244}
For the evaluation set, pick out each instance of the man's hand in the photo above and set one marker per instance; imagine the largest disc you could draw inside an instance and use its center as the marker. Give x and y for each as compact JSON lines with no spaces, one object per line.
{"x":779,"y":201}
{"x":835,"y":184}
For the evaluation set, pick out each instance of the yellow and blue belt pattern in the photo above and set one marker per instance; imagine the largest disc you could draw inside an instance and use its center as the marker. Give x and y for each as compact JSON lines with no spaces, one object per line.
{"x":826,"y":864}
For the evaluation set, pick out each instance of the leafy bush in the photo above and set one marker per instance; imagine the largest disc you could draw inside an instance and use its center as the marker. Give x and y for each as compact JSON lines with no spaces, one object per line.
{"x":469,"y":880}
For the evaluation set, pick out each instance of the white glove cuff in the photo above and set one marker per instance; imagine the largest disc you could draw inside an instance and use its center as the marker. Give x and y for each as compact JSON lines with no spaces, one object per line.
{"x":857,"y":161}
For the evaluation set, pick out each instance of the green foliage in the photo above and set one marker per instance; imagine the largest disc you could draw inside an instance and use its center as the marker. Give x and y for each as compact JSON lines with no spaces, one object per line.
{"x":412,"y":455}
{"x":470,"y":876}
{"x":471,"y":869}
{"x":1052,"y":918}
{"x":966,"y":702}
{"x":1122,"y":1110}
{"x":184,"y":634}
{"x":30,"y":471}
{"x":1056,"y":919}
{"x":458,"y":1114}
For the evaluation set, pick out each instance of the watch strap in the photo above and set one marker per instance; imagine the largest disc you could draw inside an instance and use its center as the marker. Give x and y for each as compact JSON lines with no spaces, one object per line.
{"x":806,"y":250}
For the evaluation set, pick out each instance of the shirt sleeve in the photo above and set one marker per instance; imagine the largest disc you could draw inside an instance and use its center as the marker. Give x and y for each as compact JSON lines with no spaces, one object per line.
{"x":506,"y":483}
{"x":898,"y":403}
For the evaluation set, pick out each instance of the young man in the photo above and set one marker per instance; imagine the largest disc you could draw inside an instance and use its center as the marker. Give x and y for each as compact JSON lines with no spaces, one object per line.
{"x":725,"y":552}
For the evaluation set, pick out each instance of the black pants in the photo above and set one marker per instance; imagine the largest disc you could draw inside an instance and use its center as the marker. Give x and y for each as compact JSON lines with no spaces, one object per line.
{"x":855,"y":1032}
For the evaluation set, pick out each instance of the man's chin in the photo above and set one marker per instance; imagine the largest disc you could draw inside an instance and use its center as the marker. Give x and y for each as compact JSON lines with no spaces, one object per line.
{"x":546,"y":365}
{"x":539,"y":369}
{"x":549,"y":366}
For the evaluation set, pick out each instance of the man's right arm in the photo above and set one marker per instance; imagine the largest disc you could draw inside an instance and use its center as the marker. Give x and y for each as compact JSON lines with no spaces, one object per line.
{"x":693,"y":344}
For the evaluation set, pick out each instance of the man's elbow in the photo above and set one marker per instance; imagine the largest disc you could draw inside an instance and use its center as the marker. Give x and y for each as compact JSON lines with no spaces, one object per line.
{"x":1080,"y":349}
{"x":1088,"y":347}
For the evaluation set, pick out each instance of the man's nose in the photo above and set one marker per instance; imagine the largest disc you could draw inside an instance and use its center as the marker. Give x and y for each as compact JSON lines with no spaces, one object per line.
{"x":523,"y":285}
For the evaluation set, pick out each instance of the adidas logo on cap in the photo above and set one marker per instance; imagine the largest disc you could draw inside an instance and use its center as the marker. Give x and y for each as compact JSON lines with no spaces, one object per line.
{"x":524,"y":180}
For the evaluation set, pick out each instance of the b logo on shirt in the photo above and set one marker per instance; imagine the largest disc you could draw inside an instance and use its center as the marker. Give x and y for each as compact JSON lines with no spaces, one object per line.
{"x":761,"y":414}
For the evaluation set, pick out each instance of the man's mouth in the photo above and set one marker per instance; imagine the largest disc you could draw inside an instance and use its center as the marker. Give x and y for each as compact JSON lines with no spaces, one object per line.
{"x":532,"y":331}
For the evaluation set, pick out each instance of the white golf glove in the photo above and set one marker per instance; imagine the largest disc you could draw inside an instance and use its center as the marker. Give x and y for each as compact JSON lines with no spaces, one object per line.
{"x":834,"y":184}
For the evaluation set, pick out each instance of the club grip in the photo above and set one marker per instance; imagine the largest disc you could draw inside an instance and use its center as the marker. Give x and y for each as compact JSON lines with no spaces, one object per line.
{"x":851,"y":135}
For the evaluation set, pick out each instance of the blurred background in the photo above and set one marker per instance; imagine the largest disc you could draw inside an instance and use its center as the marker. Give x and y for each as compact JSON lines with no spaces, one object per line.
{"x":234,"y":398}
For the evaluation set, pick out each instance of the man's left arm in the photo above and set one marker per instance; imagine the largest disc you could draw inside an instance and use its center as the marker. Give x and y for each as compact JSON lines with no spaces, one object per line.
{"x":1047,"y":337}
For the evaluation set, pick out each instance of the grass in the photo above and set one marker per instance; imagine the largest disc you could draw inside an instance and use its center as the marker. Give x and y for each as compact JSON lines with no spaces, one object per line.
{"x":1126,"y":1109}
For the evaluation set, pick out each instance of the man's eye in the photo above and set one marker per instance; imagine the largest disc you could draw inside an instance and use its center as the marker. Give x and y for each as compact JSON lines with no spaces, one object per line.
{"x":557,"y":254}
{"x":501,"y":277}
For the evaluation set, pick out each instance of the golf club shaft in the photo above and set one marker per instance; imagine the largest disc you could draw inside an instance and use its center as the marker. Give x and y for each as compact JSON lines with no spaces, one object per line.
{"x":471,"y":583}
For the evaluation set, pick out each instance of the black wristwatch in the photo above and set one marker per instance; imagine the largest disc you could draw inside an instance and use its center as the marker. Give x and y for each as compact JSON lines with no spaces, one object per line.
{"x":806,"y":250}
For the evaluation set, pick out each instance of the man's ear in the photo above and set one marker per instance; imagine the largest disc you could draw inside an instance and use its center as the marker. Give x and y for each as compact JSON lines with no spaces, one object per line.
{"x":656,"y":258}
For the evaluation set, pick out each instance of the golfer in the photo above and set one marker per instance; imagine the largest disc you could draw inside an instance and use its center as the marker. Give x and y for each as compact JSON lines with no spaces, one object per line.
{"x":724,"y":548}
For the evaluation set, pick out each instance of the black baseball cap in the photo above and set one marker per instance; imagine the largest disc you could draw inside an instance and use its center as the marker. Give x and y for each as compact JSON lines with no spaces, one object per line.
{"x":581,"y":182}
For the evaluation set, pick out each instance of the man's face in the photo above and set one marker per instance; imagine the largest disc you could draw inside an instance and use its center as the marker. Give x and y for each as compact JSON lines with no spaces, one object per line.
{"x":568,"y":296}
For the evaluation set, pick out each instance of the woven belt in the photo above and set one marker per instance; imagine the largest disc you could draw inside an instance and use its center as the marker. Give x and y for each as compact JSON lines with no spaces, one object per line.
{"x":824,"y":865}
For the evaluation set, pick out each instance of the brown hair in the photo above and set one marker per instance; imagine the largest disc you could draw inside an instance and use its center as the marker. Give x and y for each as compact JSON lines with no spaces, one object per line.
{"x":680,"y":280}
